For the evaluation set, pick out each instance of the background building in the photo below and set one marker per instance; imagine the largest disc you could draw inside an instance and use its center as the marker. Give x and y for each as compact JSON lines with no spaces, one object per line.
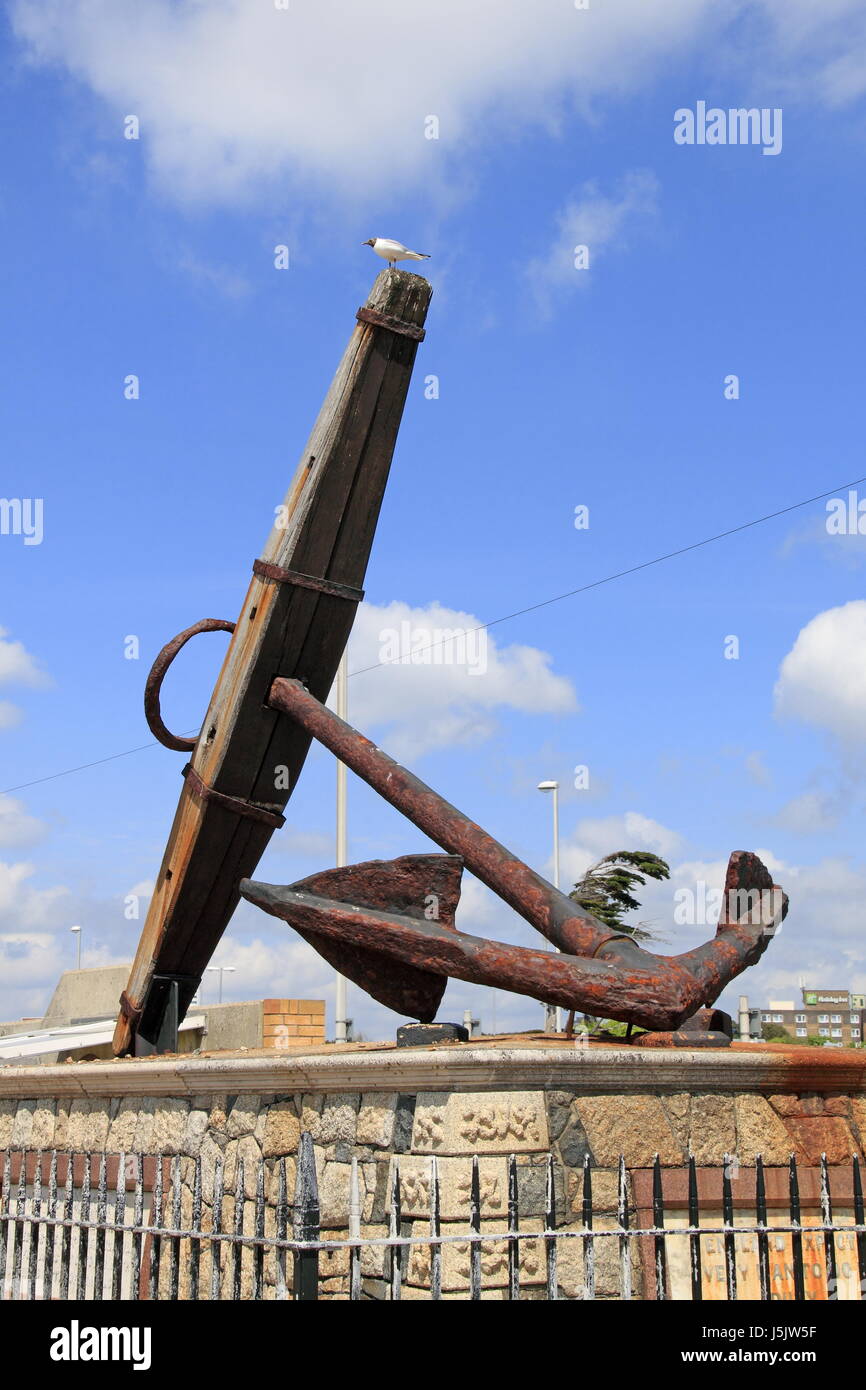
{"x":835,"y":1016}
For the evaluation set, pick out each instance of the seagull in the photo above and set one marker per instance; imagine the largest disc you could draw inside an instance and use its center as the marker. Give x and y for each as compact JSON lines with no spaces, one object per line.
{"x":394,"y":251}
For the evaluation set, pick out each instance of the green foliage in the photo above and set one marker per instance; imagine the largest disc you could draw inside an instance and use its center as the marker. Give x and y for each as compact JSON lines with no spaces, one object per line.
{"x":613,"y":1026}
{"x":607,"y":888}
{"x":774,"y":1032}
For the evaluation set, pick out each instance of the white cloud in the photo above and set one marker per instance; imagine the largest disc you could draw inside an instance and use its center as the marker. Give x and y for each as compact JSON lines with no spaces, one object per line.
{"x":312,"y":844}
{"x":757,"y":770}
{"x":448,"y":692}
{"x":232,"y":96}
{"x":833,"y":33}
{"x":17,"y":667}
{"x":144,"y":889}
{"x":17,"y":828}
{"x":478,"y":906}
{"x":10,"y":714}
{"x":595,"y":837}
{"x":810,"y":813}
{"x":28,"y":962}
{"x":596,"y":221}
{"x":214,"y":276}
{"x":262,"y":968}
{"x":23,"y":907}
{"x":822,"y":680}
{"x":846,"y":548}
{"x":821,"y":938}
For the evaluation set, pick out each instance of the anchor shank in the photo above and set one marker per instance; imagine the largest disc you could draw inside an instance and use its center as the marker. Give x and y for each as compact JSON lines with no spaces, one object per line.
{"x":553,"y":914}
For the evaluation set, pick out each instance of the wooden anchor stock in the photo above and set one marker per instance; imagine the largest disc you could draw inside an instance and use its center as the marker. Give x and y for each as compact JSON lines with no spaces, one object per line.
{"x":295,"y":619}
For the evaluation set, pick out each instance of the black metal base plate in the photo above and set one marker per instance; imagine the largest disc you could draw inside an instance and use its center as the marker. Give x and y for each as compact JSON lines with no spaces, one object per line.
{"x":423,"y":1034}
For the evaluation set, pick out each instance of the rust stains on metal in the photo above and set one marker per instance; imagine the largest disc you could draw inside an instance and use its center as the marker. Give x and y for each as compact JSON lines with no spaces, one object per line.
{"x":394,"y":325}
{"x":419,"y":887}
{"x":280,"y":575}
{"x":156,"y":676}
{"x":598,"y":972}
{"x":252,"y":810}
{"x":558,"y":919}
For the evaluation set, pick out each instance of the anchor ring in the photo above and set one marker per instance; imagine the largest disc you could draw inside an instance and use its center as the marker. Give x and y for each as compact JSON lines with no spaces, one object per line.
{"x":153,"y":684}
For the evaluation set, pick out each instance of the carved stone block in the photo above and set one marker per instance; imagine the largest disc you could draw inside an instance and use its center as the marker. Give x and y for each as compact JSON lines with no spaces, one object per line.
{"x":496,"y":1122}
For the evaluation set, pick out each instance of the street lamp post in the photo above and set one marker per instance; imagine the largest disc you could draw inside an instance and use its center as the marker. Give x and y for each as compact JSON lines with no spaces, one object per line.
{"x":77,"y":933}
{"x":552,"y":1020}
{"x":223,"y":969}
{"x":340,"y":1002}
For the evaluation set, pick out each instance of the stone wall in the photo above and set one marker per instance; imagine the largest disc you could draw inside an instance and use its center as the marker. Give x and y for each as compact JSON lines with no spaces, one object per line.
{"x":381,"y":1127}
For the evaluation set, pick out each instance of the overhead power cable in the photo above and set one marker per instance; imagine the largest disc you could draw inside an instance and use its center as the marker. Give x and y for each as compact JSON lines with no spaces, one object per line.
{"x":507,"y":617}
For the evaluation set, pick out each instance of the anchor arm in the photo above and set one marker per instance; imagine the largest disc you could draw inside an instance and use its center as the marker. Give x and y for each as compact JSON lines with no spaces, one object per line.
{"x":599,"y":971}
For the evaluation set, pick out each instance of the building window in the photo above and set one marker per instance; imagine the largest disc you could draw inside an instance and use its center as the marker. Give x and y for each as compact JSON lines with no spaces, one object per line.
{"x":802,"y":1032}
{"x":837,"y":1032}
{"x":835,"y":1018}
{"x":855,"y":1032}
{"x":855,"y":1018}
{"x":801,"y":1018}
{"x":823,"y":1018}
{"x":778,"y":1018}
{"x":824,"y":1032}
{"x":766,"y":1018}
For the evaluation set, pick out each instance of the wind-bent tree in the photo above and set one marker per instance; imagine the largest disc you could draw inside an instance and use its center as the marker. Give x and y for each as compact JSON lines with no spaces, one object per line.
{"x":607,"y":889}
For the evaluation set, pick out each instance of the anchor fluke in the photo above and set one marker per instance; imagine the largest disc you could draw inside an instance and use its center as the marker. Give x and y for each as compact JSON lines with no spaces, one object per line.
{"x":416,"y":888}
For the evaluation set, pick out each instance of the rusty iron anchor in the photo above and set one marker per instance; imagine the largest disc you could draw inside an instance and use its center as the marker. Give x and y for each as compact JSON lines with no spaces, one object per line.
{"x":373,"y":921}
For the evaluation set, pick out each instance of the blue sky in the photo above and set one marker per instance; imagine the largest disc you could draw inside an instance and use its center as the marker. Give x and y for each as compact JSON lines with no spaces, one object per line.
{"x":557,"y":387}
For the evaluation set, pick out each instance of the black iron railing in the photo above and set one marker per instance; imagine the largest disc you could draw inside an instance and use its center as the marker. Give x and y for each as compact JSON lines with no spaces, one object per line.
{"x":115,"y":1226}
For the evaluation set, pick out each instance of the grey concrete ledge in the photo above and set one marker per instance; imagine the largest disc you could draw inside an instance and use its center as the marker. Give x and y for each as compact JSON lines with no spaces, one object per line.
{"x":489,"y":1068}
